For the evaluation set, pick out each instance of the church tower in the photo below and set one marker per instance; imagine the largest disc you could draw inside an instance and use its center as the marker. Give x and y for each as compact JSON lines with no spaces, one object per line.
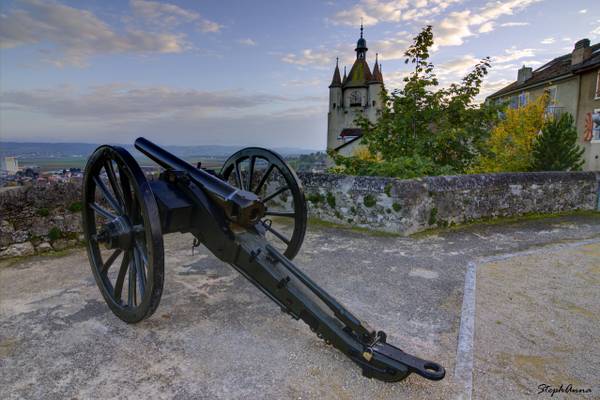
{"x":356,"y":94}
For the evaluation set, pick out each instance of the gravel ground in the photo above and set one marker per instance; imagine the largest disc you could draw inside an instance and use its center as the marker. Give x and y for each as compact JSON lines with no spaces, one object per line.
{"x":216,"y":336}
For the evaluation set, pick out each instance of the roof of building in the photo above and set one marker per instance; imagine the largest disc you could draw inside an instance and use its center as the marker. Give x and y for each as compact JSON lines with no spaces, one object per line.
{"x":359,"y":75}
{"x":336,"y":81}
{"x":377,"y":76}
{"x":592,"y":62}
{"x":558,"y":67}
{"x":348,"y":132}
{"x":347,"y":143}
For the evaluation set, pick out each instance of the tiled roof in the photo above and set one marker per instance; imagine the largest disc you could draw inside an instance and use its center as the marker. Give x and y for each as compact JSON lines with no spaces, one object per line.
{"x":336,"y":81}
{"x":347,"y":132}
{"x":377,"y":76}
{"x":558,"y":67}
{"x":359,"y":75}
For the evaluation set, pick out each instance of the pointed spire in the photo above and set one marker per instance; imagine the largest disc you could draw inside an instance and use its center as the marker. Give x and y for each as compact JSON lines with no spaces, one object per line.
{"x":336,"y":80}
{"x":361,"y":27}
{"x":344,"y":74}
{"x":377,"y":76}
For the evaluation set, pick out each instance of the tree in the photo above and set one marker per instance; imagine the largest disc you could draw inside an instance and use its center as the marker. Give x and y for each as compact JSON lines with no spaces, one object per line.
{"x":509,"y":147}
{"x":556,"y":149}
{"x":423,"y":128}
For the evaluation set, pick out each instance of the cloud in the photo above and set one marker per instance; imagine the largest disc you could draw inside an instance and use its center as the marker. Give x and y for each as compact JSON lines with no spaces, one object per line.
{"x":511,"y":24}
{"x":459,"y":25}
{"x":513,"y":54}
{"x":548,"y":40}
{"x":584,"y":11}
{"x":309,"y":57}
{"x":486,"y":27}
{"x":489,"y":87}
{"x":74,"y":35}
{"x":372,"y":12}
{"x":120,"y":113}
{"x":458,"y":67}
{"x":392,"y":48}
{"x":122,"y":101}
{"x":169,"y":15}
{"x":247,"y":42}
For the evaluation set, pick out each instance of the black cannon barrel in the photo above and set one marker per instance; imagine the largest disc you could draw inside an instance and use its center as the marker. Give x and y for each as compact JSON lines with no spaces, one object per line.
{"x":241,"y":206}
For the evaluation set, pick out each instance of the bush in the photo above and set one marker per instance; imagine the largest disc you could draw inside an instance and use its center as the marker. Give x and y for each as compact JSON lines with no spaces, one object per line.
{"x":54,"y":234}
{"x":43,"y":212}
{"x":406,"y":167}
{"x":509,"y":147}
{"x":396,"y":207}
{"x":75,"y":207}
{"x":556,"y":149}
{"x":315,"y":198}
{"x":369,"y":200}
{"x":331,"y":200}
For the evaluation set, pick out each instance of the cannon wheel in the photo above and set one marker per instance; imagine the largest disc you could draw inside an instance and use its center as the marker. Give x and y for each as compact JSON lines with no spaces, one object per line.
{"x":250,"y":180}
{"x":120,"y":213}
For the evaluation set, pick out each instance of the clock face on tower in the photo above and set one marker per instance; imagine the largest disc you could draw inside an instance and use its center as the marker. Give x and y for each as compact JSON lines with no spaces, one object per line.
{"x":355,"y":98}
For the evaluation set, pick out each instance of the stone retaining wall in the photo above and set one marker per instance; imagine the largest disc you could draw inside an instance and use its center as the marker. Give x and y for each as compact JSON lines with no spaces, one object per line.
{"x":41,"y":218}
{"x":408,"y":206}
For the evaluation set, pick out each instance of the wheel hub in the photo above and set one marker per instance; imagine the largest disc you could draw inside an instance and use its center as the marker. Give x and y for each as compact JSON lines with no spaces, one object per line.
{"x":117,"y":234}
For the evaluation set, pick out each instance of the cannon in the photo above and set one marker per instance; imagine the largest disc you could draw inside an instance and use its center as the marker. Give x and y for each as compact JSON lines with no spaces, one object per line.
{"x":251,"y":214}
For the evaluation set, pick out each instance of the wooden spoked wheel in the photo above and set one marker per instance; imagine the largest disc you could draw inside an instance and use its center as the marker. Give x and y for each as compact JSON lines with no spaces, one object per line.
{"x":123,"y":234}
{"x":266,"y":174}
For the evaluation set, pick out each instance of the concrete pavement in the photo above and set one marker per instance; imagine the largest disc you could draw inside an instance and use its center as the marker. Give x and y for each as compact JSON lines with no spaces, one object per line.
{"x":216,"y":336}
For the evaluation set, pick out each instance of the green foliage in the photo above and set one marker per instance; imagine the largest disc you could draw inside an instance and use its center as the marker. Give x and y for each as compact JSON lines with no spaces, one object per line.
{"x":54,"y":234}
{"x":423,"y":129}
{"x":315,"y":198}
{"x":401,"y":167}
{"x":331,"y":199}
{"x":432,"y":216}
{"x":43,"y":212}
{"x":369,"y":200}
{"x":75,"y":207}
{"x":397,"y":207}
{"x":306,"y":162}
{"x":388,"y":190}
{"x":556,"y":149}
{"x":509,"y":147}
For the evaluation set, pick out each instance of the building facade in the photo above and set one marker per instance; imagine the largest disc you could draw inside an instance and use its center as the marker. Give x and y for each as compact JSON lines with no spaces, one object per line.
{"x":9,"y":165}
{"x":356,"y":94}
{"x":572,"y":82}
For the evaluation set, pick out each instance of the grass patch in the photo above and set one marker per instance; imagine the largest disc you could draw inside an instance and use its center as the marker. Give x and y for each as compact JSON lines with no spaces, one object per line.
{"x":316,"y":222}
{"x":8,"y":262}
{"x":43,"y":212}
{"x":503,"y":221}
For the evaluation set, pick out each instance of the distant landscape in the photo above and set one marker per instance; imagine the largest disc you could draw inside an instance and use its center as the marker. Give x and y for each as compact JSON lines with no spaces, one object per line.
{"x":54,"y":156}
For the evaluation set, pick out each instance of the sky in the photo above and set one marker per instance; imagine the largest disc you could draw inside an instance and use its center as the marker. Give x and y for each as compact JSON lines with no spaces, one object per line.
{"x":243,"y":72}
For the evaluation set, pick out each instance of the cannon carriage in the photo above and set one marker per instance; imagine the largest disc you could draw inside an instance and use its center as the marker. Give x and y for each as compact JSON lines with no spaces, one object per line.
{"x":234,"y":213}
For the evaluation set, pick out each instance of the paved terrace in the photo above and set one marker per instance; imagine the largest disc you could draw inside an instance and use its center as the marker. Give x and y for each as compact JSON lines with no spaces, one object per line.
{"x":531,"y":294}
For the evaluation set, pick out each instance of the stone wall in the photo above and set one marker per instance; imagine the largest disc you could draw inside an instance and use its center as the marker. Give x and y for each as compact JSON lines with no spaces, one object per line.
{"x":408,"y":206}
{"x":41,"y":218}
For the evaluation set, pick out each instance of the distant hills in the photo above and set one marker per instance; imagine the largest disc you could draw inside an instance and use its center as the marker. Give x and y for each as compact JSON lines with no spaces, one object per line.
{"x":35,"y":150}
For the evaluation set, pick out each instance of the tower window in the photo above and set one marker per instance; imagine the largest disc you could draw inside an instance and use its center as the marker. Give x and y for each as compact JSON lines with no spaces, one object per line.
{"x":333,"y":105}
{"x":373,"y":103}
